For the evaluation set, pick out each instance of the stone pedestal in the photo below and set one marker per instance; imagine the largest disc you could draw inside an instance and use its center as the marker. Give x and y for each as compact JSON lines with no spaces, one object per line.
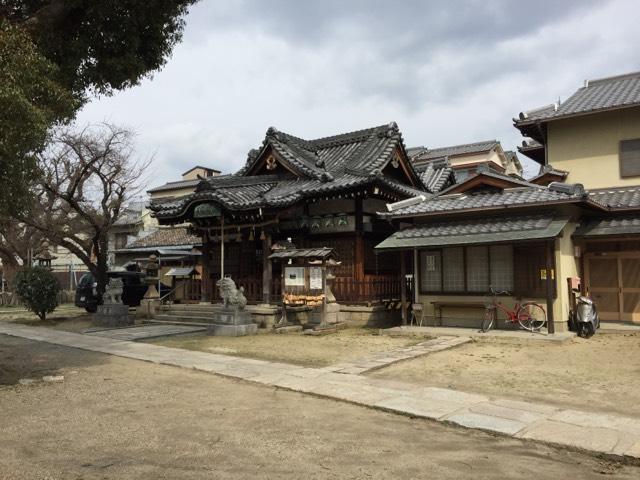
{"x":264,"y":315}
{"x":331,"y":314}
{"x":148,"y":308}
{"x":112,"y":315}
{"x":232,"y":322}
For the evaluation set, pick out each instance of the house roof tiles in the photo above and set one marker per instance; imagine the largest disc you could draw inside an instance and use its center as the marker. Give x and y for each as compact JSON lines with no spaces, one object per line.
{"x":476,"y":231}
{"x":596,"y":95}
{"x":464,"y":149}
{"x":165,"y":237}
{"x":521,"y":196}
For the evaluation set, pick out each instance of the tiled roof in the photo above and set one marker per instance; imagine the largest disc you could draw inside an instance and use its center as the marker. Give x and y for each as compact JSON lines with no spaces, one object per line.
{"x":601,"y":94}
{"x":322,"y":166}
{"x":523,"y":196}
{"x":513,"y":158}
{"x":463,"y":149}
{"x":436,"y":175}
{"x":549,"y":170}
{"x":476,"y":231}
{"x":485,"y":171}
{"x":165,"y":237}
{"x":175,"y":185}
{"x":622,"y":197}
{"x":608,"y":226}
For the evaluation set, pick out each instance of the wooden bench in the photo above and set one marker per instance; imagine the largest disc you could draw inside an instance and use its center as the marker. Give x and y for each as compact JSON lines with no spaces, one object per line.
{"x":438,"y":306}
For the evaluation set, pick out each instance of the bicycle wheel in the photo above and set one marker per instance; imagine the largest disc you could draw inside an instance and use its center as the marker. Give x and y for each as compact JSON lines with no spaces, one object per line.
{"x":489,"y":318}
{"x":531,"y":316}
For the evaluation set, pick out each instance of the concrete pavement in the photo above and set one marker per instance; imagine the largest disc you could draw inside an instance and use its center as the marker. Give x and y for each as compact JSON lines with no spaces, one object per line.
{"x":605,"y":434}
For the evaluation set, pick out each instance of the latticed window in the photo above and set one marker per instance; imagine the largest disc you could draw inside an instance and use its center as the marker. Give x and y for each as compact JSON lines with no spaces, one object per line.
{"x":453,"y":269}
{"x":478,"y":269}
{"x":430,"y":271}
{"x":467,"y":269}
{"x":502,"y":267}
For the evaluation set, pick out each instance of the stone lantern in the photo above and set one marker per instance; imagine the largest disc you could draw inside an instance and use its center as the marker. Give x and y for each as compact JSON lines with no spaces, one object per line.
{"x":152,"y":269}
{"x":44,"y":256}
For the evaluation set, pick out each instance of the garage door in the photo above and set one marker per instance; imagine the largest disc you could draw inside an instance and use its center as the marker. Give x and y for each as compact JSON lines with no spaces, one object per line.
{"x":613,"y":280}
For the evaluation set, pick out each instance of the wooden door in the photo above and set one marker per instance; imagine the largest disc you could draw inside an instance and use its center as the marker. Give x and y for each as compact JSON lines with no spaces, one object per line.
{"x":613,"y":280}
{"x":602,"y":282}
{"x":630,"y":288}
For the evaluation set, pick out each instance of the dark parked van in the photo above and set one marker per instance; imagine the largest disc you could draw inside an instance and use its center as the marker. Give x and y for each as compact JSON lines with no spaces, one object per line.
{"x":133,"y":289}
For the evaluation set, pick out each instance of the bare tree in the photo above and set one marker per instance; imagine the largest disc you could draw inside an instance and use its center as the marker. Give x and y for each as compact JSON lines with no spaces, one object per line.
{"x":17,"y":242}
{"x":87,"y":177}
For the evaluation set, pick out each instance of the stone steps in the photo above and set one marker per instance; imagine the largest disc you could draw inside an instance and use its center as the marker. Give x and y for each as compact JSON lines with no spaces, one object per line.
{"x":179,"y":318}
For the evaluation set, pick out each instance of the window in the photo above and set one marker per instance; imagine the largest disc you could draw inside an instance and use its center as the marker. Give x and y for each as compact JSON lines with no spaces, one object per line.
{"x":453,"y":271}
{"x":467,"y":269}
{"x":501,"y":267}
{"x":478,"y":269}
{"x":431,"y":272}
{"x":630,"y":158}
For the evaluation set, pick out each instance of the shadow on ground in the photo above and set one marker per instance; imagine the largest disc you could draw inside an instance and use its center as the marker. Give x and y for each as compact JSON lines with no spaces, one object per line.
{"x":20,"y":358}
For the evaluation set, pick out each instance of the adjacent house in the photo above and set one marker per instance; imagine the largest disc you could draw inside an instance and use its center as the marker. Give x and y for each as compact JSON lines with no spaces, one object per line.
{"x":465,"y":159}
{"x":580,"y":217}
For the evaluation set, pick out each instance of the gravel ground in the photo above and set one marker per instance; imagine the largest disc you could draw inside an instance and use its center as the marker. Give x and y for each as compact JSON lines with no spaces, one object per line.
{"x":114,"y":418}
{"x":345,"y":345}
{"x":600,"y":374}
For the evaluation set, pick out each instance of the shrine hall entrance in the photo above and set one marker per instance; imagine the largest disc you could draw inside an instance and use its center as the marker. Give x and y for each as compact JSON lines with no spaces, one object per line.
{"x":613,"y":280}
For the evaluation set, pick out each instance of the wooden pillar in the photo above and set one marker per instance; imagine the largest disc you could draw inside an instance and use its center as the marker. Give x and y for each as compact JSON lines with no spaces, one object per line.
{"x":416,"y":292}
{"x":205,"y":284}
{"x":358,"y":254}
{"x":550,"y":252}
{"x":266,"y":269}
{"x":403,"y":285}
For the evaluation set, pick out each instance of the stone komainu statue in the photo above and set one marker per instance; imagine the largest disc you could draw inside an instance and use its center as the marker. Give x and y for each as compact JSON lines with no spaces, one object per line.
{"x":231,"y":296}
{"x":113,"y":292}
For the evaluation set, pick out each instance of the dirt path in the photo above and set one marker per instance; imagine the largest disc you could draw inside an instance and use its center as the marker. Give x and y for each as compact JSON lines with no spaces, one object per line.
{"x":599,"y":374}
{"x":113,"y":418}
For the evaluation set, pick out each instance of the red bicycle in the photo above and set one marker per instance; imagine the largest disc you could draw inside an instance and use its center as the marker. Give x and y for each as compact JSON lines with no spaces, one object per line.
{"x":529,"y":315}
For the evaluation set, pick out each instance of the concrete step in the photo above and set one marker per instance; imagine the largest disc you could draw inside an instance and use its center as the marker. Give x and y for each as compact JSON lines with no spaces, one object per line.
{"x":197,"y":313}
{"x":183,"y":318}
{"x":175,"y":322}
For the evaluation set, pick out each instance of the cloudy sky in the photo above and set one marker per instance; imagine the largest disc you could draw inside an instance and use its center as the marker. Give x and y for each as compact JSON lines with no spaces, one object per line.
{"x":447,"y":72}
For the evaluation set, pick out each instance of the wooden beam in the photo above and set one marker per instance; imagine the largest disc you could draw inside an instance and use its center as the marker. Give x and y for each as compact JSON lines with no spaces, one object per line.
{"x":266,"y":269}
{"x":403,"y":286}
{"x":550,"y":251}
{"x":358,"y":254}
{"x":206,"y":270}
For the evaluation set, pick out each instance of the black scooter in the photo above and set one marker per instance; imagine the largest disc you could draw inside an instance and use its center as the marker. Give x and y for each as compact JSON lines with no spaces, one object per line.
{"x":584,"y":317}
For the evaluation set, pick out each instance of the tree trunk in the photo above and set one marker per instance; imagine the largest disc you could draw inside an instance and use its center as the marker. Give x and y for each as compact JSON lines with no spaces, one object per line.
{"x":101,"y":246}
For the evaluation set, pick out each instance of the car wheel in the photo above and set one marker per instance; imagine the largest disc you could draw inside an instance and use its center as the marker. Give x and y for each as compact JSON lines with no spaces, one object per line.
{"x":91,"y":308}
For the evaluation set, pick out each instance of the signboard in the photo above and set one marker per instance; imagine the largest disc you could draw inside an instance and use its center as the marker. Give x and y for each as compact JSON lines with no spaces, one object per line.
{"x":315,"y":278}
{"x":206,"y":210}
{"x":294,"y":276}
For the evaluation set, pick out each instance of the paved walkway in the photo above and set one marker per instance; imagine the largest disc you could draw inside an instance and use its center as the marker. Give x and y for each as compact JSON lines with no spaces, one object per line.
{"x":389,"y":357}
{"x":144,"y":332}
{"x":409,"y":330}
{"x":607,"y":434}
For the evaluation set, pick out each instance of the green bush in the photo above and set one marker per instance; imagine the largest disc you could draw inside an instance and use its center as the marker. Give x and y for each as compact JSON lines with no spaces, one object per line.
{"x":38,"y":289}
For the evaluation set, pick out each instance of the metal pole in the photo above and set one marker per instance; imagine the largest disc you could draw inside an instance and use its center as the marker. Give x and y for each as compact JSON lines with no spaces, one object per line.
{"x":222,"y":246}
{"x":159,"y":277}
